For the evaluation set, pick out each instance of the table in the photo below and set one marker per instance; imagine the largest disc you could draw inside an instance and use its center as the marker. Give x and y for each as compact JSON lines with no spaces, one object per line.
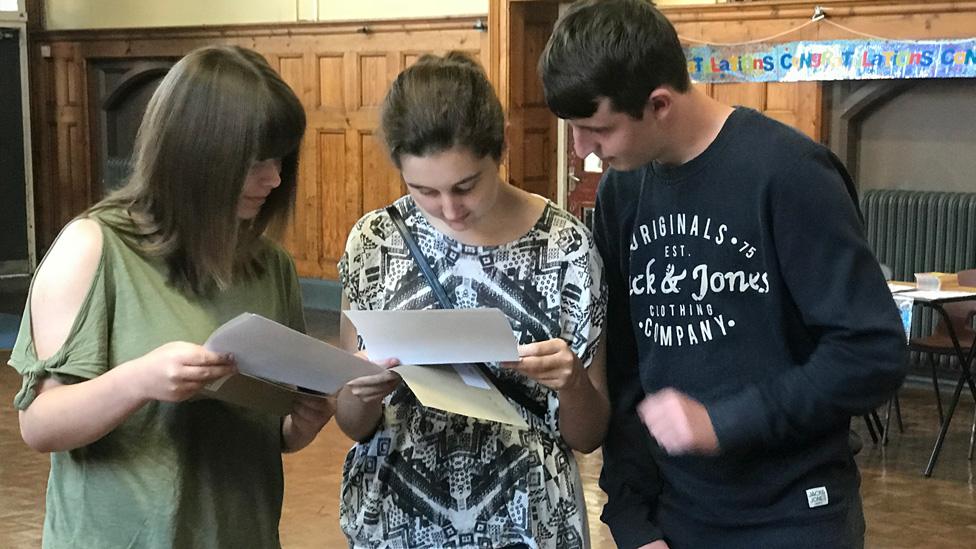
{"x":965,"y":356}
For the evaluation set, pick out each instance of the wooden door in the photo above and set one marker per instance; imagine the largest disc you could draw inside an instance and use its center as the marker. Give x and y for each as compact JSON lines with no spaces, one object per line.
{"x":119,"y":90}
{"x":518,"y":32}
{"x":15,"y":257}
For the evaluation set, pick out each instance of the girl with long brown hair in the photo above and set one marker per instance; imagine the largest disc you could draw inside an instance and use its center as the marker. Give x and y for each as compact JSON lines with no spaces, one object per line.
{"x":109,"y":348}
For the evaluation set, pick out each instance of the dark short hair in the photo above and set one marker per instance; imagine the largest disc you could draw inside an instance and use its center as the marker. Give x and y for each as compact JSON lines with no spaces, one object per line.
{"x":618,"y":49}
{"x":215,"y":113}
{"x":439,"y":103}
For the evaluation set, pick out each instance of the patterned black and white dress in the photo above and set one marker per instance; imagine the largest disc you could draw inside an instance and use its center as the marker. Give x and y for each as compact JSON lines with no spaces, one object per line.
{"x":429,"y":478}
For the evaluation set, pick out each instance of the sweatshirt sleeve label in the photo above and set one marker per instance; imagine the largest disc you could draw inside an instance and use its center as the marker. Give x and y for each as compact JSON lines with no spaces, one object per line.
{"x":817,"y":497}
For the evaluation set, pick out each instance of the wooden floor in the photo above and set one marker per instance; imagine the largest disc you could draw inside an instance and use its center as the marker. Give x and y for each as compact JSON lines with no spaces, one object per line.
{"x":902,"y":508}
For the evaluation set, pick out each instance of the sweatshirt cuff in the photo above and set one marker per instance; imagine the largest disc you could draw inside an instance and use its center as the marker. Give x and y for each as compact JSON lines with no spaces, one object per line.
{"x":739,"y":420}
{"x":632,"y":528}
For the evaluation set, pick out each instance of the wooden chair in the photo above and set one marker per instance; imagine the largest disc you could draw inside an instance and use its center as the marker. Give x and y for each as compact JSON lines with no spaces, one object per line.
{"x":939,"y":342}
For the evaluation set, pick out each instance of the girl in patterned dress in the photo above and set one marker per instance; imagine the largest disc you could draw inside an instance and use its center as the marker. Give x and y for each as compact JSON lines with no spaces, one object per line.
{"x":421,"y":477}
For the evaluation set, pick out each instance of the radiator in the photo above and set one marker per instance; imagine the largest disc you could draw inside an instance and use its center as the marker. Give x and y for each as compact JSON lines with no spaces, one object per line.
{"x":919,"y":231}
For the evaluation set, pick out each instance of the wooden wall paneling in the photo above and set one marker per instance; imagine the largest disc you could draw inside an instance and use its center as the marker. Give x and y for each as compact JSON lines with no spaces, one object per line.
{"x":798,"y":104}
{"x":381,"y":182}
{"x":72,"y":191}
{"x":340,"y":72}
{"x":374,"y":73}
{"x":44,"y":136}
{"x":532,"y":128}
{"x":326,"y":156}
{"x":330,"y":152}
{"x":703,"y":87}
{"x":408,"y":58}
{"x":746,"y":94}
{"x":515,"y":150}
{"x":352,"y":206}
{"x":499,"y":45}
{"x":303,"y":234}
{"x":366,"y":179}
{"x":538,"y":168}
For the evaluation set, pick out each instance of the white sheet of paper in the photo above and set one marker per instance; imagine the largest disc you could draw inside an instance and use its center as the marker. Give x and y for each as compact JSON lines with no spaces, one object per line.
{"x":266,"y":349}
{"x":437,"y":336}
{"x":895,"y":287}
{"x":269,"y":350}
{"x":932,"y":295}
{"x":592,"y":163}
{"x":470,"y":375}
{"x":444,"y":387}
{"x":437,"y":347}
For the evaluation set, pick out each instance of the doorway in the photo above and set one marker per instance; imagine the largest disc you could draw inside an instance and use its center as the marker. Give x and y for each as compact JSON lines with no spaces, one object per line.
{"x":15,"y":248}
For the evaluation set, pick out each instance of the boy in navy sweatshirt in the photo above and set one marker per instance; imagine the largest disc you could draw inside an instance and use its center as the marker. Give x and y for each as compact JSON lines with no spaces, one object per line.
{"x":748,"y":319}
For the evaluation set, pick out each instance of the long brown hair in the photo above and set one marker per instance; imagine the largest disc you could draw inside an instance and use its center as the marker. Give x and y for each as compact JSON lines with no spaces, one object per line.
{"x":218,"y":110}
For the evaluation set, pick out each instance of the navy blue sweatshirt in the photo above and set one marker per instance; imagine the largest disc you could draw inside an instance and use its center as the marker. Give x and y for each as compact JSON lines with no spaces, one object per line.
{"x":743,"y":279}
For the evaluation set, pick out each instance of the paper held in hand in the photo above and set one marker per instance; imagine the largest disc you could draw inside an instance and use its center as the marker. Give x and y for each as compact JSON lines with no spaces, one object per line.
{"x":437,"y":348}
{"x":274,"y":360}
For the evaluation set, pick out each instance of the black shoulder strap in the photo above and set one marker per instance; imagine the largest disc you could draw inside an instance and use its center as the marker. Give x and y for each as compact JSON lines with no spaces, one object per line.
{"x":418,"y":256}
{"x":511,"y":389}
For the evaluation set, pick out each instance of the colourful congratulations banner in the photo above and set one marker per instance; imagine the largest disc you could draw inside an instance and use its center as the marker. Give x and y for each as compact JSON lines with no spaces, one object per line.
{"x":833,"y":60}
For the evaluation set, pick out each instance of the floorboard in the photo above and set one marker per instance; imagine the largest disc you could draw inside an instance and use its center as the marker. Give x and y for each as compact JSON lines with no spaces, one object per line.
{"x":902,"y":508}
